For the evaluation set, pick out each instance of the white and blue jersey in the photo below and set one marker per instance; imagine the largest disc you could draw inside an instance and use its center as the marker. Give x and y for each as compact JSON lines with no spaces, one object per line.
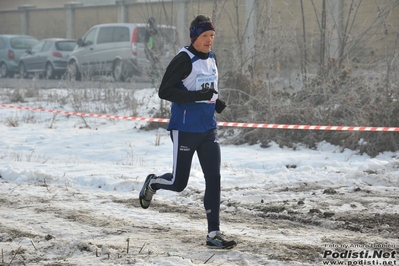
{"x":197,"y":116}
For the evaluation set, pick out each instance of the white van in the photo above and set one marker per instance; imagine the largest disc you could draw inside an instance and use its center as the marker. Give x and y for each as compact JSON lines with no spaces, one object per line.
{"x":123,"y":50}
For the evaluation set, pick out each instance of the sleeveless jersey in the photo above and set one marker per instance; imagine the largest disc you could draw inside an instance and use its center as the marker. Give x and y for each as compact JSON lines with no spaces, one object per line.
{"x":196,"y":116}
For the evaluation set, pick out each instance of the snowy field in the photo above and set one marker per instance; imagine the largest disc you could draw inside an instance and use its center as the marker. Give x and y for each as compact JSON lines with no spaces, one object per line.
{"x":69,"y":189}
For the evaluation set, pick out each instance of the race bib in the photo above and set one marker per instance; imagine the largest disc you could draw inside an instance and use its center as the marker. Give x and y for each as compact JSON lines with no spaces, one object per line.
{"x":207,"y":82}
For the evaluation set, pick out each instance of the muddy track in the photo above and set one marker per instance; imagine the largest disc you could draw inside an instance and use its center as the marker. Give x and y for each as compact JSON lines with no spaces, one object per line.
{"x":259,"y":228}
{"x":355,"y":226}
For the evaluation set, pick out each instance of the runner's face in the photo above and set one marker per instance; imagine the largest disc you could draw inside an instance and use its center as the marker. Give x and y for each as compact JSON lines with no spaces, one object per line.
{"x":204,"y":42}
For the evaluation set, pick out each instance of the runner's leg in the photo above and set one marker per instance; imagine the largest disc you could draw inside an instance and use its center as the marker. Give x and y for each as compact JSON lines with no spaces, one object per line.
{"x":184,"y":145}
{"x":209,"y":157}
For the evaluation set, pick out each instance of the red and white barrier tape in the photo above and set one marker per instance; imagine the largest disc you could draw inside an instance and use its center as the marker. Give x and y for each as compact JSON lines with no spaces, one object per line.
{"x":310,"y":127}
{"x":223,"y":124}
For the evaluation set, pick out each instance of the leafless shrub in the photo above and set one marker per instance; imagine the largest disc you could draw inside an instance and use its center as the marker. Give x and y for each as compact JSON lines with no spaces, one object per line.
{"x":107,"y":100}
{"x":12,"y":122}
{"x":17,"y":97}
{"x":354,"y":89}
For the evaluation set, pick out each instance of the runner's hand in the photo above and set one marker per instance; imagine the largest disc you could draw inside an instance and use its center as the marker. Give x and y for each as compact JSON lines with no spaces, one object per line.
{"x":220,"y":105}
{"x":204,"y":94}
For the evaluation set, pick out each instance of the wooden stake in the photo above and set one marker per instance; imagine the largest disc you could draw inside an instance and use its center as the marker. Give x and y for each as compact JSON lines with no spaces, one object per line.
{"x":128,"y":243}
{"x":15,"y":255}
{"x":33,"y":244}
{"x":142,"y":247}
{"x":209,"y":258}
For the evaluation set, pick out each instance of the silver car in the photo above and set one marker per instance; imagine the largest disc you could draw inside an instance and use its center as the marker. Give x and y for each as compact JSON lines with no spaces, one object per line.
{"x":11,"y":48}
{"x":123,"y":50}
{"x":48,"y":57}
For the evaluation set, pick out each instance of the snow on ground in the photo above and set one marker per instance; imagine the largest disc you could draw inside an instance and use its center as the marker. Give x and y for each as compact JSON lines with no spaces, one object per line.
{"x":68,"y":196}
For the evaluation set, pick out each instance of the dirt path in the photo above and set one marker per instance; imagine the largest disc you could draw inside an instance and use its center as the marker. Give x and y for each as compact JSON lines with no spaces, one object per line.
{"x":63,"y":226}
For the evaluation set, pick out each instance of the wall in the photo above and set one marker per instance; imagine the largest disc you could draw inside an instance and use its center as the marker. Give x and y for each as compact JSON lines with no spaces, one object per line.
{"x":85,"y":18}
{"x":42,"y":23}
{"x":10,"y":22}
{"x":14,"y":4}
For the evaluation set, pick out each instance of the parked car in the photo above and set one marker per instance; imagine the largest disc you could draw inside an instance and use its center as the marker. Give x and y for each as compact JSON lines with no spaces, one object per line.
{"x":11,"y":48}
{"x":123,"y":50}
{"x":48,"y":57}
